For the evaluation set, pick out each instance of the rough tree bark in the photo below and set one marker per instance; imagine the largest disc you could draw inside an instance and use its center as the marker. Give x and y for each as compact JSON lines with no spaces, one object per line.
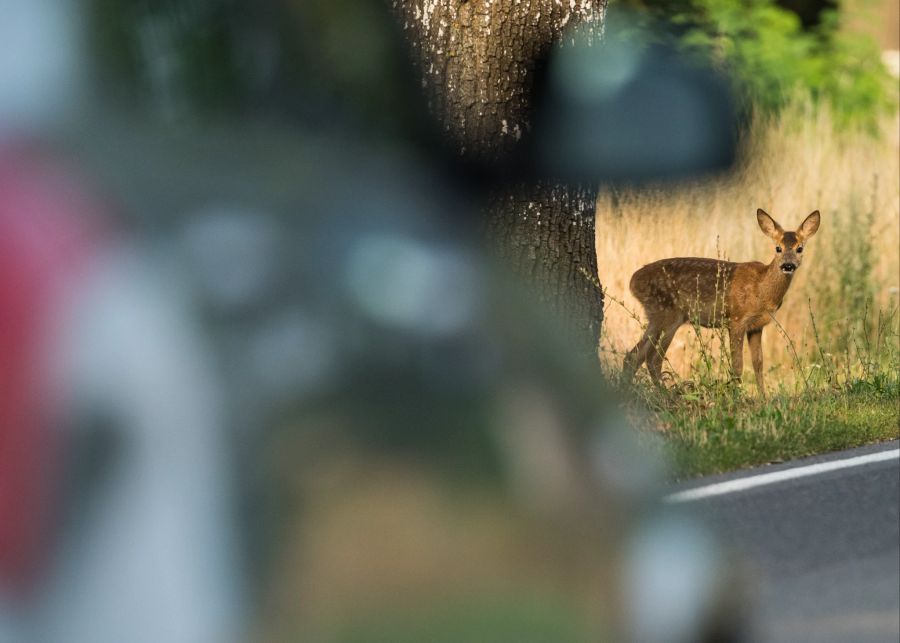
{"x":477,"y":61}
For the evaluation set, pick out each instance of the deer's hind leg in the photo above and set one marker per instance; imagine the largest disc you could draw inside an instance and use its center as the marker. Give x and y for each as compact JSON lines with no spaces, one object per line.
{"x":638,"y":355}
{"x":658,"y":350}
{"x":635,"y":357}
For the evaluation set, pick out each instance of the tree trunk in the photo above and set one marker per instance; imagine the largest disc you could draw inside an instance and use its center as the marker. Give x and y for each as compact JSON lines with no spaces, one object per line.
{"x":546,"y":233}
{"x":477,"y":61}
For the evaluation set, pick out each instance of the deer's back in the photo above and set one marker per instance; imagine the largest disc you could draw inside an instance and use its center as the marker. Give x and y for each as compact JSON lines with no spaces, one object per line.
{"x":690,"y":285}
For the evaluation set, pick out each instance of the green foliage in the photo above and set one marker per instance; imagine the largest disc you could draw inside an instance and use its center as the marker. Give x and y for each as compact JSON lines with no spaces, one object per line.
{"x":174,"y":54}
{"x":774,"y":60}
{"x":323,"y":60}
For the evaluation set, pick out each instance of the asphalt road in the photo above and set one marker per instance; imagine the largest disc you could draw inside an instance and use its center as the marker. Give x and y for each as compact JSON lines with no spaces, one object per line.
{"x":822,"y":552}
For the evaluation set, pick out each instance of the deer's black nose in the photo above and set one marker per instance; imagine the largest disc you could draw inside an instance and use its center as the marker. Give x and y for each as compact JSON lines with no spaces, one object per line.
{"x":788,"y":267}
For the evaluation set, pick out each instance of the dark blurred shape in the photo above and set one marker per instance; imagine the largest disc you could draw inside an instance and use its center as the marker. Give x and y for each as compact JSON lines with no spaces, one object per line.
{"x":625,"y":111}
{"x":618,"y":110}
{"x":337,"y":65}
{"x":810,"y":11}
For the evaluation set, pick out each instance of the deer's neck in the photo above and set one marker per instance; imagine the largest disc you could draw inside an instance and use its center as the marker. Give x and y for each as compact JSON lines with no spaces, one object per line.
{"x":775,"y":284}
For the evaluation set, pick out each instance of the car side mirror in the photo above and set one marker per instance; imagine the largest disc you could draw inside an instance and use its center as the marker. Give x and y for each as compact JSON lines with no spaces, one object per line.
{"x":622,"y":111}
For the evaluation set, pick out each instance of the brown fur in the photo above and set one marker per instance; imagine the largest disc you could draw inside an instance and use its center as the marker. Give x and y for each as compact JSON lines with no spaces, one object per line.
{"x":713,"y":293}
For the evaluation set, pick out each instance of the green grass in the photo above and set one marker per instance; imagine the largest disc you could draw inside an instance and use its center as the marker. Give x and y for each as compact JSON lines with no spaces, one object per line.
{"x":842,"y":391}
{"x":734,"y":431}
{"x":501,"y":619}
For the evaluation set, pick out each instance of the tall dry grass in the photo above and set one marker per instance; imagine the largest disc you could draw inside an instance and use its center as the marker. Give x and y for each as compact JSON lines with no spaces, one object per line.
{"x":793,"y":164}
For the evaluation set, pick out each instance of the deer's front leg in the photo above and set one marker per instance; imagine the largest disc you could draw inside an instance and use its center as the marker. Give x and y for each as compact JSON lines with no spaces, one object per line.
{"x":736,"y":335}
{"x":754,"y":340}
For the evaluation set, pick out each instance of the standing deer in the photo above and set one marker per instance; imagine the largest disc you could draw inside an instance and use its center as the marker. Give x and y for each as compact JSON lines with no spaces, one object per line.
{"x":713,"y":293}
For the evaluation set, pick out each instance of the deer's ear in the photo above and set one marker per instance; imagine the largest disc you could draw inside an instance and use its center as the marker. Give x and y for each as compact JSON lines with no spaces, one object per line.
{"x":809,"y":226}
{"x":769,"y":225}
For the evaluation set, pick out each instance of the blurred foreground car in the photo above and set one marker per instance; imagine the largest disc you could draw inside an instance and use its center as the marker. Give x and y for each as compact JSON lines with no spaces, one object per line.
{"x":297,"y":362}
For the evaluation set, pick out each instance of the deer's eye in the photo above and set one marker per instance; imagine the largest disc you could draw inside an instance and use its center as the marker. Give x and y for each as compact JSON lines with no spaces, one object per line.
{"x":799,"y":248}
{"x":777,"y":248}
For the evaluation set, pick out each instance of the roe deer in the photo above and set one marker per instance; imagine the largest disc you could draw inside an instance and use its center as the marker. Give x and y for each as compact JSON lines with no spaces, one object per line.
{"x":714,"y":293}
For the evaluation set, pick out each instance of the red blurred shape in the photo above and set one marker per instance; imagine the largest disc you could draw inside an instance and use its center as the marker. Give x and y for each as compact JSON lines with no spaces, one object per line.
{"x":48,"y":231}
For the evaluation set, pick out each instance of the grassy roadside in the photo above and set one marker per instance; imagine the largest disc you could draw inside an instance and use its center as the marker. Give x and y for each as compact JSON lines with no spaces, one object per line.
{"x":741,"y":433}
{"x":824,"y":402}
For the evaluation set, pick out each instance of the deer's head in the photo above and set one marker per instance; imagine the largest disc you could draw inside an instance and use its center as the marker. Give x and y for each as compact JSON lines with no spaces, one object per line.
{"x":788,"y":245}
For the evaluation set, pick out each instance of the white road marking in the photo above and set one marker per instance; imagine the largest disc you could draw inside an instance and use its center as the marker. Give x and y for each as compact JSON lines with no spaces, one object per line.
{"x":742,"y":484}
